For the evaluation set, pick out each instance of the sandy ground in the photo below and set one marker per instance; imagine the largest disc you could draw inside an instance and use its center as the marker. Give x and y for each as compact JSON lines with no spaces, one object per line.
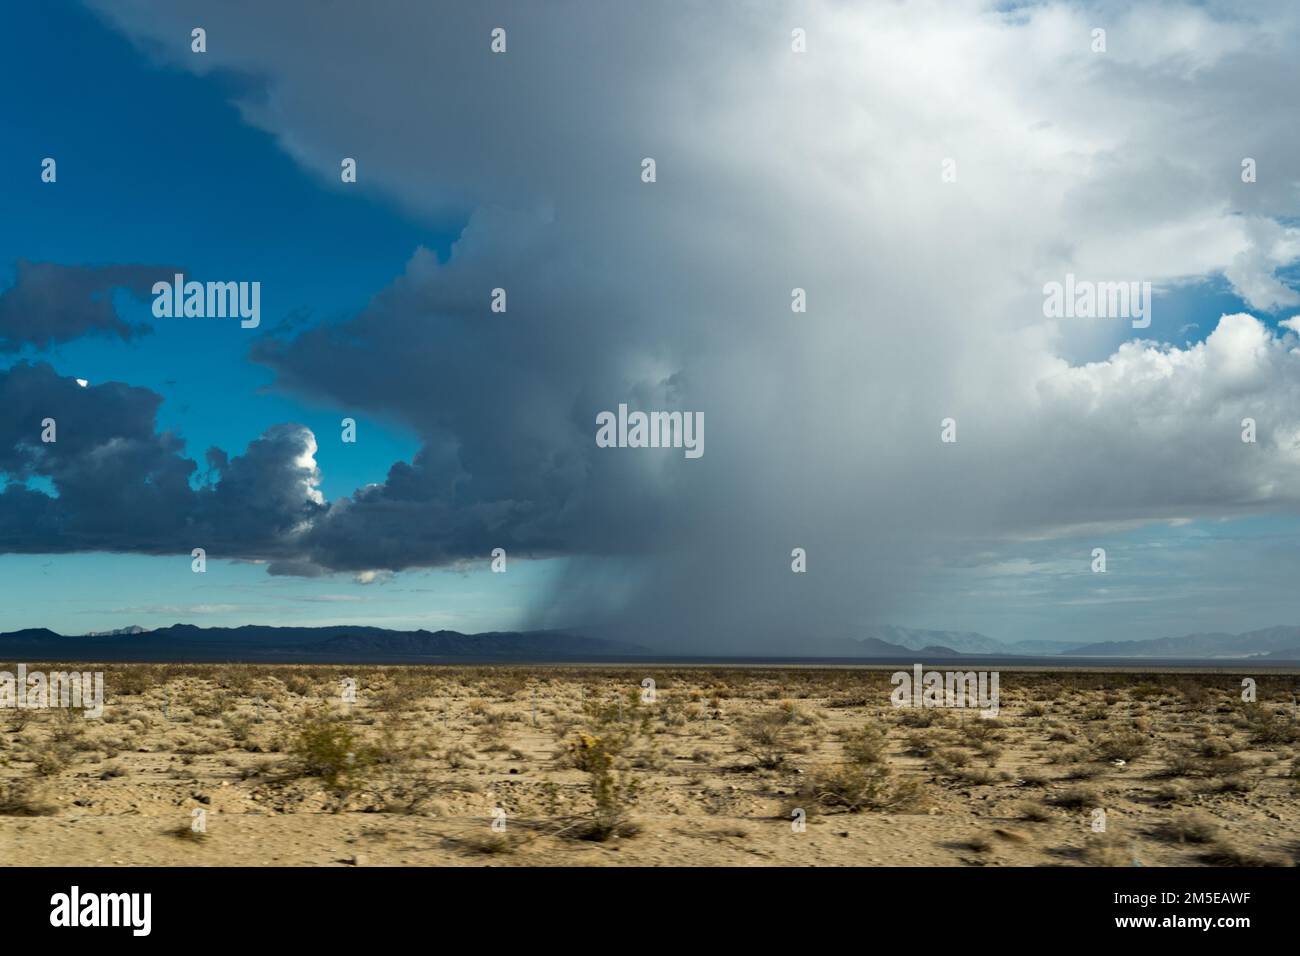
{"x":442,"y":766}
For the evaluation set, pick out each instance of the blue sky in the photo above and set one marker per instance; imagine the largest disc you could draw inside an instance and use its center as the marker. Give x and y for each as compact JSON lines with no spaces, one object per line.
{"x":156,"y":166}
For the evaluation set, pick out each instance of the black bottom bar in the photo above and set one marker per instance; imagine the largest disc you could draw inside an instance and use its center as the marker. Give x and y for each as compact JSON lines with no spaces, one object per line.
{"x":332,"y":906}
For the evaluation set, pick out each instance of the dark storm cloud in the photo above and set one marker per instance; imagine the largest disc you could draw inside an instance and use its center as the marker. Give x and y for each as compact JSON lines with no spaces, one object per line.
{"x":779,"y":170}
{"x":121,"y":485}
{"x":505,"y":406}
{"x":50,"y":303}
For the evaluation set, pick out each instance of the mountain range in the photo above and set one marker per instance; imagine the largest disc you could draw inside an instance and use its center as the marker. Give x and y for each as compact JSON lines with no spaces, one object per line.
{"x":362,"y":644}
{"x":1281,"y":643}
{"x":336,"y":644}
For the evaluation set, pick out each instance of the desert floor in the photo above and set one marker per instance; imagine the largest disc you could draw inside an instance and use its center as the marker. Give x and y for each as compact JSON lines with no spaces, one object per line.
{"x":237,"y":765}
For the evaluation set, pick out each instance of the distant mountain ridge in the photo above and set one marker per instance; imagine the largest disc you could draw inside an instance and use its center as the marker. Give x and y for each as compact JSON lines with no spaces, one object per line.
{"x":913,"y":639}
{"x":340,"y":643}
{"x":1278,"y":643}
{"x":966,"y":642}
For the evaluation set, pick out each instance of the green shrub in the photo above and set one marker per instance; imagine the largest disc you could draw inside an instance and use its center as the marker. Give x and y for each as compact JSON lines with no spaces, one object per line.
{"x":611,"y":791}
{"x":327,"y":748}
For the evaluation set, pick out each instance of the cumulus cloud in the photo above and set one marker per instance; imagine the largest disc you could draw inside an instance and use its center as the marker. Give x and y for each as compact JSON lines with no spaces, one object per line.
{"x":1253,"y":270}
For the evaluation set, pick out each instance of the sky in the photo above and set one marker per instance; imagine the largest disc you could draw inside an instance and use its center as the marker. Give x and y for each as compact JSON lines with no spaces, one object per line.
{"x":920,"y":170}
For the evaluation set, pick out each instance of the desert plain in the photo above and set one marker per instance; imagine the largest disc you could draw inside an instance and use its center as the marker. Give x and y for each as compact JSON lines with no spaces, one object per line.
{"x":287,"y":765}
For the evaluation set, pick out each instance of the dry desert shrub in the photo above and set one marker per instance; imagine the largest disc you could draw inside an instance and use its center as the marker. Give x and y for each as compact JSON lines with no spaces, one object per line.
{"x":770,"y":738}
{"x":983,"y":730}
{"x":1076,"y":798}
{"x":1106,"y":849}
{"x":918,"y":745}
{"x":238,"y":726}
{"x":921,"y":717}
{"x":1034,"y":813}
{"x":459,"y":758}
{"x":1189,"y":828}
{"x":1269,"y":725}
{"x":1237,"y":783}
{"x":864,"y":780}
{"x":1172,"y":793}
{"x":299,"y":685}
{"x":1097,"y":711}
{"x":864,"y":745}
{"x":1186,"y":762}
{"x":49,"y":758}
{"x":1215,"y":747}
{"x":210,"y":705}
{"x":851,"y":700}
{"x":1084,"y":771}
{"x":855,"y":788}
{"x":130,"y":681}
{"x":239,"y":680}
{"x":401,"y":696}
{"x":949,"y":760}
{"x":1122,"y":745}
{"x":1223,"y":852}
{"x":979,"y":777}
{"x":24,"y":798}
{"x":493,"y":843}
